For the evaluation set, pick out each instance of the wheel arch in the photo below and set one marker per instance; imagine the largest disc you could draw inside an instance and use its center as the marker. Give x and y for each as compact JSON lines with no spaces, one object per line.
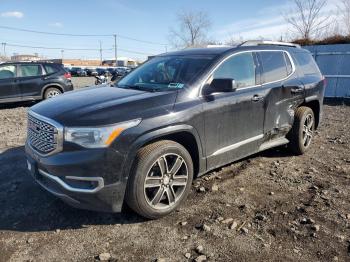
{"x":54,"y":85}
{"x":316,"y":107}
{"x":185,"y":135}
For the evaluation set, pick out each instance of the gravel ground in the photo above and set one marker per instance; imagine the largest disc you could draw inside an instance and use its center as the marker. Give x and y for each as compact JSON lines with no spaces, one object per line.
{"x":271,"y":206}
{"x":79,"y":82}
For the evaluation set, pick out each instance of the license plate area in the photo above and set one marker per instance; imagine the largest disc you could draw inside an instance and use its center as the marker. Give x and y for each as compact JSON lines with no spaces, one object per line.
{"x":33,"y":168}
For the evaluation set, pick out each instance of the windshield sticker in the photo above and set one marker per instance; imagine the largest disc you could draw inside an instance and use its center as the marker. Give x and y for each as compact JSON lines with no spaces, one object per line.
{"x":176,"y":85}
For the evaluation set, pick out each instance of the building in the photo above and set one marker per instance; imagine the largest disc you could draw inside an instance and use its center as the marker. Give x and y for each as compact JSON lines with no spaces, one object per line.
{"x":122,"y":61}
{"x":3,"y":59}
{"x":17,"y":57}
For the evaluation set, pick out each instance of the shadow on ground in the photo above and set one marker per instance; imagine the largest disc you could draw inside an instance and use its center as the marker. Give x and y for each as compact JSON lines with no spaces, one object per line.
{"x":26,"y":207}
{"x":17,"y":104}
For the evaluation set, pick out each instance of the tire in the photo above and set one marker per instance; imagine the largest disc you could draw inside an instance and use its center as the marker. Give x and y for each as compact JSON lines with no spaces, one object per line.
{"x":152,"y":193}
{"x":52,"y":92}
{"x":301,"y":134}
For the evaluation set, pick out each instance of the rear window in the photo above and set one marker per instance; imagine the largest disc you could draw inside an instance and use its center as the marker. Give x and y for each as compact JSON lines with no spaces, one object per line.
{"x":289,"y":64}
{"x":30,"y":70}
{"x":306,"y":63}
{"x":50,"y":69}
{"x":274,"y":66}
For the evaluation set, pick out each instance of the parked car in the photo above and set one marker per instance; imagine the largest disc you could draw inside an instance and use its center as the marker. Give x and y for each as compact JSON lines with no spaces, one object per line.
{"x":78,"y":71}
{"x":111,"y":70}
{"x":121,"y":71}
{"x":91,"y":71}
{"x":102,"y":71}
{"x":172,"y":119}
{"x":23,"y":81}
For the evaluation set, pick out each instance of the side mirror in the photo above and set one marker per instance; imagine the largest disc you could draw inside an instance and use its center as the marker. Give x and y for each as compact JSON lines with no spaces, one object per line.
{"x":220,"y":85}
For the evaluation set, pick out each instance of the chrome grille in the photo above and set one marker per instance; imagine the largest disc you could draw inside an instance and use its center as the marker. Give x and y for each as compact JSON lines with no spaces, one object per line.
{"x":42,"y":136}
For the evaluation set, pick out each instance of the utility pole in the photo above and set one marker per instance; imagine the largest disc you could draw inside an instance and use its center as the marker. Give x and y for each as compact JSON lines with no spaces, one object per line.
{"x":115,"y":49}
{"x":166,"y":49}
{"x":4,"y":47}
{"x":62,"y":51}
{"x":100,"y":52}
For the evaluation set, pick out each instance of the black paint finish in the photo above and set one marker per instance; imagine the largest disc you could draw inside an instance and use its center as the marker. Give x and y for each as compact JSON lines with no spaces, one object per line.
{"x":224,"y":127}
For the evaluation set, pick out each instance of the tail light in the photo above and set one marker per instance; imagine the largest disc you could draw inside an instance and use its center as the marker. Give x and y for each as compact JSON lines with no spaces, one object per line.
{"x":67,"y":75}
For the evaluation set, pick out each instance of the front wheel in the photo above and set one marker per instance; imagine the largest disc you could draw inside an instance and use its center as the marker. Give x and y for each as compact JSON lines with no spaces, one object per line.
{"x":302,"y":132}
{"x":160,"y":179}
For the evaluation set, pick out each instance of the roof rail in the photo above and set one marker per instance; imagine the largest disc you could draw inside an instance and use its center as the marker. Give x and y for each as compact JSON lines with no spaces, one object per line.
{"x":267,"y":42}
{"x":213,"y":46}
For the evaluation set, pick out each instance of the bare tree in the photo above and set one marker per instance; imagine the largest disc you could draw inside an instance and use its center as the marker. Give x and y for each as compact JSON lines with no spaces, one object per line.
{"x":307,"y":19}
{"x":344,"y":11}
{"x":192,"y":29}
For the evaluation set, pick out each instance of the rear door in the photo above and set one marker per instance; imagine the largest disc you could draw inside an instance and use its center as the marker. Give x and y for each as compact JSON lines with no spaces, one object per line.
{"x":285,"y":91}
{"x":8,"y":84}
{"x":30,"y":80}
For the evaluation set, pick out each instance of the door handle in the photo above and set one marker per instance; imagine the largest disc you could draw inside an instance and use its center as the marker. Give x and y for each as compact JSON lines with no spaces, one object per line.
{"x":297,"y":90}
{"x":257,"y":98}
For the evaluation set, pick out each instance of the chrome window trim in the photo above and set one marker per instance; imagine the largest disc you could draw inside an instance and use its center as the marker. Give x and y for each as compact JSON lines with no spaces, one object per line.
{"x":99,"y":180}
{"x":249,"y":51}
{"x":237,"y":145}
{"x":59,"y":136}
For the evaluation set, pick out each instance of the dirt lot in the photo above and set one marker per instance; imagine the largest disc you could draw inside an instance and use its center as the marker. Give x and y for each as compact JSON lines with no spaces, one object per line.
{"x":272,"y":206}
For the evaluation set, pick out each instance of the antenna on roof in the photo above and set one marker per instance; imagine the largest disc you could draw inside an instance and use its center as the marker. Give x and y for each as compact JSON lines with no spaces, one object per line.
{"x":267,"y":42}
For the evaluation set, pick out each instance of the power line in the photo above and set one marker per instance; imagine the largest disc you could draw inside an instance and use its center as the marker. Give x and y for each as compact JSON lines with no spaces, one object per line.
{"x":50,"y":33}
{"x":142,"y":41}
{"x":57,"y":48}
{"x":80,"y":35}
{"x":76,"y":49}
{"x":135,"y":52}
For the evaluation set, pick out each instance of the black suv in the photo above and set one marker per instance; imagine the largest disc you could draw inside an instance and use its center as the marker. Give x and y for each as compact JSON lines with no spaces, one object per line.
{"x":172,"y":119}
{"x":23,"y":81}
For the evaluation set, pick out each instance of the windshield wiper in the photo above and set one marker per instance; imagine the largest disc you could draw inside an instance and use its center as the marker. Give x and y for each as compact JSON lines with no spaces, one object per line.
{"x":137,"y":87}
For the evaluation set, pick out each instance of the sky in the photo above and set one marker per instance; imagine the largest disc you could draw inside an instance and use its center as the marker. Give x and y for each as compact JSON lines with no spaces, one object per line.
{"x":149,"y":21}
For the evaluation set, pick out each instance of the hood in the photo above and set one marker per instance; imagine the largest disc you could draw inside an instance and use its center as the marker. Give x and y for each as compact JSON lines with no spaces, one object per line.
{"x":104,"y":105}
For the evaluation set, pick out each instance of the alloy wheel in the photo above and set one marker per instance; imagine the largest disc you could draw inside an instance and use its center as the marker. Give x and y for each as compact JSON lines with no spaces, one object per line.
{"x":52,"y":93}
{"x":308,"y":130}
{"x":166,"y":181}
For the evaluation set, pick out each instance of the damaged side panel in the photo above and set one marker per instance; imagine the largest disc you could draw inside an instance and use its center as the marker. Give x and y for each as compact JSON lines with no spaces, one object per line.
{"x":280,"y":106}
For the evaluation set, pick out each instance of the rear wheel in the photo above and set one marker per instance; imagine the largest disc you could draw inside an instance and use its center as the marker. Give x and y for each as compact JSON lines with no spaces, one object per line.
{"x":302,"y":132}
{"x":160,"y":180}
{"x":52,"y":92}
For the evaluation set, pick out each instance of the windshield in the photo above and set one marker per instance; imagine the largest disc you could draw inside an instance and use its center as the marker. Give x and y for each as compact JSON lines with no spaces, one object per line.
{"x":165,"y":72}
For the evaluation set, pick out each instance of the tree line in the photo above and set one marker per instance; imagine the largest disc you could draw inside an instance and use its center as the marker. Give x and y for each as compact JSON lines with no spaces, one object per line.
{"x":309,"y":22}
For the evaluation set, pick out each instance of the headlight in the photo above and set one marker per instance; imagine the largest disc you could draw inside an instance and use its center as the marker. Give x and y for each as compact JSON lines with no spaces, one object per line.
{"x":95,"y":137}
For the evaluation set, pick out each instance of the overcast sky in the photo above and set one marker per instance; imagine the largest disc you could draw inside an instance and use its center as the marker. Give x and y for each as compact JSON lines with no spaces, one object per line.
{"x":140,"y":19}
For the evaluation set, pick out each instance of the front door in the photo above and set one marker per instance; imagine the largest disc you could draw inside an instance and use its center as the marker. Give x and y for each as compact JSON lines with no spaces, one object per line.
{"x":234,"y":120}
{"x":8,"y":85}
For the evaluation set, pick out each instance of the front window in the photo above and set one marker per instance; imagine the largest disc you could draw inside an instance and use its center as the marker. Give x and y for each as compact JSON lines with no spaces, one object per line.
{"x":7,"y":71}
{"x":166,"y":72}
{"x":240,"y":67}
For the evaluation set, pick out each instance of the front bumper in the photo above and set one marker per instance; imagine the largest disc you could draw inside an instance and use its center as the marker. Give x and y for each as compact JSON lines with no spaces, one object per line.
{"x":87,"y":179}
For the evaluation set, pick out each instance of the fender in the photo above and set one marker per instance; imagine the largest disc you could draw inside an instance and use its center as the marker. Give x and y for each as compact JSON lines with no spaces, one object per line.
{"x":149,"y":136}
{"x":43,"y":89}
